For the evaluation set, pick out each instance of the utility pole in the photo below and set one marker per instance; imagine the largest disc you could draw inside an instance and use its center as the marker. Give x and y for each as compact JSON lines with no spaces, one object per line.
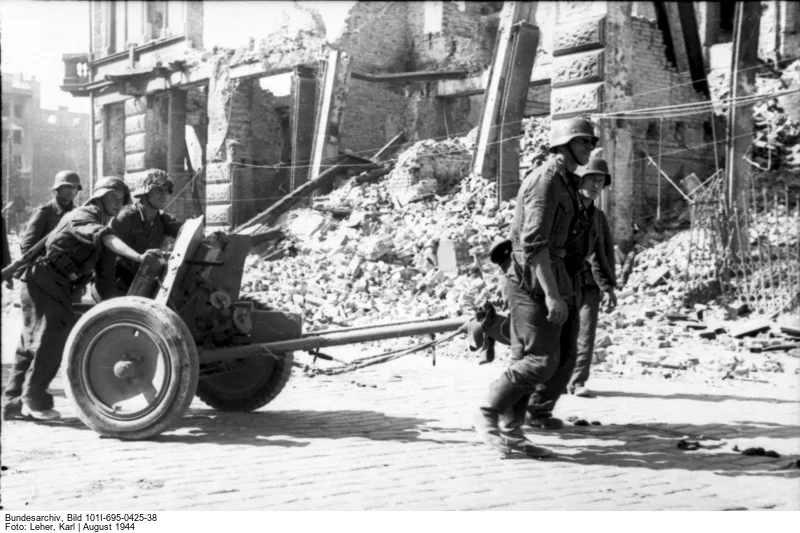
{"x":740,"y":119}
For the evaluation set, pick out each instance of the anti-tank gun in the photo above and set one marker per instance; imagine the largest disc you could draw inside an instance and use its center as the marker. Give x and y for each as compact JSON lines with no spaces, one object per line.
{"x":132,"y":365}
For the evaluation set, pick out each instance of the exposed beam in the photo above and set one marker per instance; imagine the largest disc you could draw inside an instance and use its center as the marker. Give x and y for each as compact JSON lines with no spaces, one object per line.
{"x":513,"y":13}
{"x":334,"y":94}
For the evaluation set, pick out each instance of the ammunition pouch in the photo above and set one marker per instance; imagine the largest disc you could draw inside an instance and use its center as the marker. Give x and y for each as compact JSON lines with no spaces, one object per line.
{"x":66,"y":266}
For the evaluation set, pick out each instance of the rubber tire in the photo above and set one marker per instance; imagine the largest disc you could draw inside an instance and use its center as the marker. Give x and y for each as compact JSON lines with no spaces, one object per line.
{"x":264,"y":392}
{"x":184,"y":365}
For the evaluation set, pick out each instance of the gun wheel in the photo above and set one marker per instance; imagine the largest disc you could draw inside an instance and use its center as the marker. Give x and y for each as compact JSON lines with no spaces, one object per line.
{"x":254,"y":383}
{"x":130,"y":368}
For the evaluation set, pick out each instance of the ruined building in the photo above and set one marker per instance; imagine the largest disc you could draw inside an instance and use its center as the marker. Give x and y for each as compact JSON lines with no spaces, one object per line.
{"x":245,"y":123}
{"x":37,"y":142}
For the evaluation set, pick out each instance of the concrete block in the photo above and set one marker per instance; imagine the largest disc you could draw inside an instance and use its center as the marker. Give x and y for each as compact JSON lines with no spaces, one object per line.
{"x":218,"y":192}
{"x":135,"y":162}
{"x":572,"y":69}
{"x":218,"y":172}
{"x":135,"y":124}
{"x":657,"y":276}
{"x":135,"y":106}
{"x":218,"y":215}
{"x":135,"y":143}
{"x":580,"y":99}
{"x":579,"y":36}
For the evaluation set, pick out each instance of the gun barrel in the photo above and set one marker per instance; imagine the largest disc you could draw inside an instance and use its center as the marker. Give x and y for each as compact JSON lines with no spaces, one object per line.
{"x":335,"y":337}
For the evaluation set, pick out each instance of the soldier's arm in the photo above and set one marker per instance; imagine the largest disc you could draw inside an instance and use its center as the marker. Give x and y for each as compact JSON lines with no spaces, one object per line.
{"x":35,"y":230}
{"x":118,"y":246}
{"x":171,"y":225}
{"x":541,"y":201}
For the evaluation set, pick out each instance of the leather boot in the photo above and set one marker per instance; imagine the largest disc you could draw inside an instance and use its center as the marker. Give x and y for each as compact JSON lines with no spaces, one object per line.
{"x":503,"y":395}
{"x":511,"y":423}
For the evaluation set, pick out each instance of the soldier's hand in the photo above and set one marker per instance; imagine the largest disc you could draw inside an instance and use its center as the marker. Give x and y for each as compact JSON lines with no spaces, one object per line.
{"x":609,"y":300}
{"x":157,"y":253}
{"x":557,"y":309}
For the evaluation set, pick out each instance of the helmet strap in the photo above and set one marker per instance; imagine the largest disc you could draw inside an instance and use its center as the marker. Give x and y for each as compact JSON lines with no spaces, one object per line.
{"x":572,"y":155}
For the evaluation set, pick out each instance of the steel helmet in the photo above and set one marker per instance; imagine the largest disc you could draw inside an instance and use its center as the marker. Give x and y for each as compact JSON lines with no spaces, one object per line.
{"x":108,"y":184}
{"x":67,"y":177}
{"x":563,"y":131}
{"x":595,"y":165}
{"x":153,"y":179}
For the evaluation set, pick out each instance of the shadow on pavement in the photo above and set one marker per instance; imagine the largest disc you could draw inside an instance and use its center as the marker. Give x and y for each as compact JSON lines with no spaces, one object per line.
{"x":262,"y":428}
{"x":694,"y":397}
{"x":655,"y":447}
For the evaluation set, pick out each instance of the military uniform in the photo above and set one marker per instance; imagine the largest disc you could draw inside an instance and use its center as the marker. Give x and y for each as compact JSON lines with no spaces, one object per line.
{"x":545,"y":216}
{"x":43,"y":220}
{"x":71,"y":252}
{"x":114,"y":274}
{"x":598,"y":274}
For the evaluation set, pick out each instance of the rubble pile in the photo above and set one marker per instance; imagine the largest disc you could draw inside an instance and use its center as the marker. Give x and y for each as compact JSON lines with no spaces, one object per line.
{"x":428,"y":167}
{"x":412,"y":245}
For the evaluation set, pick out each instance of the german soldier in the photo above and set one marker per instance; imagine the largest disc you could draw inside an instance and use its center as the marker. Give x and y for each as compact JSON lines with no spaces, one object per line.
{"x":142,"y":225}
{"x":44,"y":218}
{"x":538,"y":288}
{"x":71,"y":251}
{"x":597,"y":275}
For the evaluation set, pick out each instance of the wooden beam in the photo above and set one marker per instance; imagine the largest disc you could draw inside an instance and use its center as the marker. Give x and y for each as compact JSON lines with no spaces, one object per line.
{"x":334,"y":94}
{"x":694,"y":48}
{"x":302,"y":124}
{"x":513,"y":13}
{"x":390,"y":147}
{"x":740,"y":117}
{"x":266,"y":218}
{"x":521,"y":57}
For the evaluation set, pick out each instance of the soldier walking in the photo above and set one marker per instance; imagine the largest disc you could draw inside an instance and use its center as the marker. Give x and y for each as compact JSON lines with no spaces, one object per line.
{"x":538,"y":288}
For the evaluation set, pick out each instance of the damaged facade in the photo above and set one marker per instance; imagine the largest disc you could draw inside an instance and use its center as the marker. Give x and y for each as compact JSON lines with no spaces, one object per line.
{"x":239,"y":129}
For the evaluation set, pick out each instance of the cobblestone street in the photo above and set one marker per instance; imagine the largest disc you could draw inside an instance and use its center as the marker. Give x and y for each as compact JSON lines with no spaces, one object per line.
{"x":398,"y":436}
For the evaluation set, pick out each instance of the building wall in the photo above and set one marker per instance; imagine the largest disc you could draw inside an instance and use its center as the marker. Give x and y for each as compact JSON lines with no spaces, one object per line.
{"x":375,"y":113}
{"x":450,"y":35}
{"x":376,"y":35}
{"x":19,"y":94}
{"x":62,"y":143}
{"x":683,"y":142}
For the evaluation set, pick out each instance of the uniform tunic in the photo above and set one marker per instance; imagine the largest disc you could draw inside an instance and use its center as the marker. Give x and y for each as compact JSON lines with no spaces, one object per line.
{"x":43,"y":220}
{"x":544,"y":216}
{"x":71,"y":251}
{"x":598,"y":275}
{"x":114,"y":273}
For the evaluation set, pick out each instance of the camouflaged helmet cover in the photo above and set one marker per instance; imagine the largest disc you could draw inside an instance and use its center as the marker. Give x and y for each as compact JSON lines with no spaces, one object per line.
{"x":154,"y":179}
{"x":108,"y":184}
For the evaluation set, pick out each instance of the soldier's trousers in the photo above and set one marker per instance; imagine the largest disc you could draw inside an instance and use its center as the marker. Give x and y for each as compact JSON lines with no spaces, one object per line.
{"x":546,"y":394}
{"x":536,"y":343}
{"x":587,"y":316}
{"x":46,"y":326}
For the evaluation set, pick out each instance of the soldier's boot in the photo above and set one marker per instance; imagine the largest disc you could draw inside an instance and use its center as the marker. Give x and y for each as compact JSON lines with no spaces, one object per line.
{"x":503,"y":395}
{"x":510,"y":424}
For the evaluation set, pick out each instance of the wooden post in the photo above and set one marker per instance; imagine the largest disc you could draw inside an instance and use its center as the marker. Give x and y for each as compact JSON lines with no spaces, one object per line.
{"x":740,"y":118}
{"x":304,"y":110}
{"x":523,"y":52}
{"x":334,"y":94}
{"x":513,"y":13}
